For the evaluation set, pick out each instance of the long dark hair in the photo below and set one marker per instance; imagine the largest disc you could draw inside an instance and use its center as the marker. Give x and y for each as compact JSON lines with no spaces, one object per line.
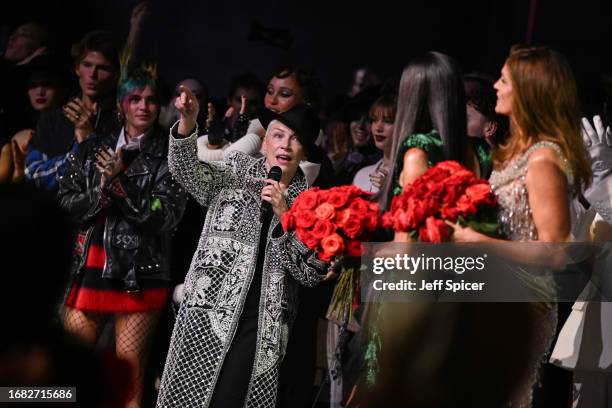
{"x":431,"y":96}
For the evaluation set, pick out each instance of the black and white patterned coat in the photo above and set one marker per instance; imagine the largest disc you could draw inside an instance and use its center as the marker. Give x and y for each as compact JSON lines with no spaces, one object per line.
{"x":218,"y":280}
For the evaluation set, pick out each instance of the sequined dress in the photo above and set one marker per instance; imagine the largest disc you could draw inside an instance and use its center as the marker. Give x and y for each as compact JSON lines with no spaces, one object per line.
{"x":516,"y":223}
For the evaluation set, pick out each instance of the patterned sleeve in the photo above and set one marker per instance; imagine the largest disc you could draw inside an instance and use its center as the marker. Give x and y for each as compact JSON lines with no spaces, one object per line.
{"x":203,"y":180}
{"x":44,"y":171}
{"x":300,"y":261}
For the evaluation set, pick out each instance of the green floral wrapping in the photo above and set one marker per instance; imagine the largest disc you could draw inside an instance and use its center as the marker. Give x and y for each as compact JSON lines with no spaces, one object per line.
{"x":483,"y":154}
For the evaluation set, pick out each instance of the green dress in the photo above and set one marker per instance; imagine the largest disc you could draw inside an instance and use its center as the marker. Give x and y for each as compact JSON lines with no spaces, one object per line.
{"x":483,"y":154}
{"x":431,"y":144}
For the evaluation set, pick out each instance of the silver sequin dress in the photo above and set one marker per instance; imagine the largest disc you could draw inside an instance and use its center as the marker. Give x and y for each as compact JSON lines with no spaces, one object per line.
{"x":516,"y":223}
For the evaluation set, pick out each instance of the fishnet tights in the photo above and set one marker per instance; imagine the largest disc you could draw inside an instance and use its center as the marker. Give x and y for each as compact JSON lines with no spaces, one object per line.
{"x":132,"y":339}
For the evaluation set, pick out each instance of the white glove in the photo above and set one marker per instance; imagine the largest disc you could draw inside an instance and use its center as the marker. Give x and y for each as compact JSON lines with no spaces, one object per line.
{"x":599,"y":144}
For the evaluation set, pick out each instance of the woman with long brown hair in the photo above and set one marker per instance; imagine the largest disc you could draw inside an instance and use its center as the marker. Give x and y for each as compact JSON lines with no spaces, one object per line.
{"x":537,"y":171}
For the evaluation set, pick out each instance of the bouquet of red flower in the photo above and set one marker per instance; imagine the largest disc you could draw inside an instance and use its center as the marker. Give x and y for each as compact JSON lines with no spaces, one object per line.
{"x":333,"y":222}
{"x":447,"y":191}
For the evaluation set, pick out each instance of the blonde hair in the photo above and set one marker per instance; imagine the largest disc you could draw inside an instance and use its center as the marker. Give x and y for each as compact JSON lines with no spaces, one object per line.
{"x":544,"y":107}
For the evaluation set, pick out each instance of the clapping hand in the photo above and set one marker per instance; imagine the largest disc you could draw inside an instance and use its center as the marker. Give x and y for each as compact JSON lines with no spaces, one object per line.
{"x":108,"y":163}
{"x":188,"y":107}
{"x":81,"y":117}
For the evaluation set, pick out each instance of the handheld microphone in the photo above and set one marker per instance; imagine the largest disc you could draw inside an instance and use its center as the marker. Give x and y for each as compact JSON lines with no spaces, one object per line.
{"x":275,"y":174}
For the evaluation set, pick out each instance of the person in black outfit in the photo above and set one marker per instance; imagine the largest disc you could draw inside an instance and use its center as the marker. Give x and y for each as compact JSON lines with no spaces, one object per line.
{"x":60,"y":131}
{"x":362,"y":152}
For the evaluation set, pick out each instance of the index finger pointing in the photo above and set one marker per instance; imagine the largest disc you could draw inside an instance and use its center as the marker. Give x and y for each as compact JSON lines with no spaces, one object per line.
{"x":187,"y":92}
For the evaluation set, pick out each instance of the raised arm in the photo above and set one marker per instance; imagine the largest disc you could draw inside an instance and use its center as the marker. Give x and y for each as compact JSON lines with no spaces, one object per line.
{"x":203,"y":180}
{"x":139,"y":15}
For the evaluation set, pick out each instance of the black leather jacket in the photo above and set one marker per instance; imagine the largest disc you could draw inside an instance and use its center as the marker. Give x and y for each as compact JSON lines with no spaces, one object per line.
{"x":143,"y":206}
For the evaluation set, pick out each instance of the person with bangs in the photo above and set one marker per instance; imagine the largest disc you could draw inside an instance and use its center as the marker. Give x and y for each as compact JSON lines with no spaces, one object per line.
{"x":537,"y":171}
{"x":59,"y":131}
{"x":360,"y":148}
{"x":46,"y":90}
{"x":344,"y":337}
{"x":118,"y":190}
{"x":382,"y":118}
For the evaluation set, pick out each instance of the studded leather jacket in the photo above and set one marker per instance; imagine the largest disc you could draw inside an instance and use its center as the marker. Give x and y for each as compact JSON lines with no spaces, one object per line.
{"x":141,"y":207}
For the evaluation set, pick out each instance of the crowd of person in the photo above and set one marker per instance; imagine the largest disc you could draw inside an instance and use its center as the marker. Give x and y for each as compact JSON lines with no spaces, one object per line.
{"x":160,"y":239}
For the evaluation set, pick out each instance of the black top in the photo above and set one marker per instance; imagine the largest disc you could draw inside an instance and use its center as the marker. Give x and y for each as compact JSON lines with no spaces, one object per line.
{"x":233,"y":383}
{"x":356,"y":159}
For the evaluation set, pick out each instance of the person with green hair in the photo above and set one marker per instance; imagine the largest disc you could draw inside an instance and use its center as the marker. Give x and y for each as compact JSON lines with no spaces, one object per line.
{"x":119,"y":191}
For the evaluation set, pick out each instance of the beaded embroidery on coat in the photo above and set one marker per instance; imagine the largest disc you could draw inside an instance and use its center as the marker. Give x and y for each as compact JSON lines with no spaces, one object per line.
{"x":220,"y":274}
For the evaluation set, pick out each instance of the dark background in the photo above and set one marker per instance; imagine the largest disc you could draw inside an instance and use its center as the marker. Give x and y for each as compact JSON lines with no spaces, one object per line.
{"x":210,"y":39}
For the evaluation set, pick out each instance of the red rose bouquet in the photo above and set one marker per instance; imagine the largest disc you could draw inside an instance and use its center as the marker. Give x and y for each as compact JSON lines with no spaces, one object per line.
{"x":447,"y":191}
{"x":333,"y":222}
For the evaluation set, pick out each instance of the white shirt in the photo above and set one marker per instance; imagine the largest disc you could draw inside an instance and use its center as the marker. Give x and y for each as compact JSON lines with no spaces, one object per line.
{"x":134,"y":143}
{"x":362,"y":178}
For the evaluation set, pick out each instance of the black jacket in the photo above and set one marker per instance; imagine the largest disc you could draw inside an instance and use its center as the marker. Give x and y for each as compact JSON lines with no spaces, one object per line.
{"x":143,"y":205}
